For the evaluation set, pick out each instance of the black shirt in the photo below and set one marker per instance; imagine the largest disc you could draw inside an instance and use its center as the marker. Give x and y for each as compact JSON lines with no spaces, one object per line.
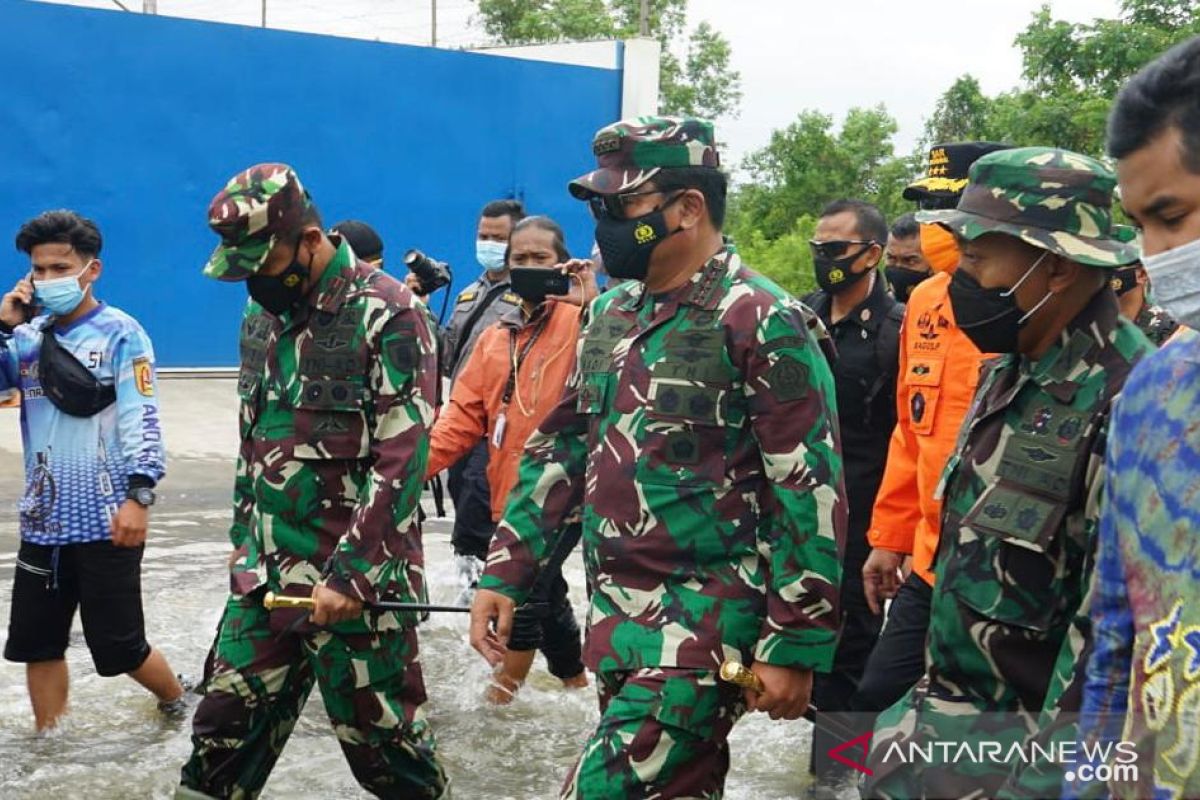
{"x":868,"y":355}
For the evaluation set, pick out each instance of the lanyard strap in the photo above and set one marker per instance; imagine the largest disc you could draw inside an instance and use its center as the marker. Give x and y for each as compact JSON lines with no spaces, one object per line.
{"x":516,"y":360}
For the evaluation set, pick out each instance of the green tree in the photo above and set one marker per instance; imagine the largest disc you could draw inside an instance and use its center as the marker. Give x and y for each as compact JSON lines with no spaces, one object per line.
{"x":806,"y":165}
{"x":961,"y":114}
{"x":696,"y":72}
{"x":1071,"y":73}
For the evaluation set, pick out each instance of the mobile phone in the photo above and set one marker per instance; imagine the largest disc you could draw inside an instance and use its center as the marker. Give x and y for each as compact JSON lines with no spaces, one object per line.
{"x":539,"y":281}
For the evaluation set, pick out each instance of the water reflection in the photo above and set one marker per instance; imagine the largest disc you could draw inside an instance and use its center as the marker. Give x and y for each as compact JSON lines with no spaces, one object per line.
{"x":115,"y":745}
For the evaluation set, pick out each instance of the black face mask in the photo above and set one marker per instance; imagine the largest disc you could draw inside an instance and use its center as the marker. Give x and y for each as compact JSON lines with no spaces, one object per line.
{"x":833,"y":274}
{"x":903,"y":281}
{"x":627,"y":244}
{"x":1124,"y":280}
{"x":990,"y":318}
{"x":279,"y":293}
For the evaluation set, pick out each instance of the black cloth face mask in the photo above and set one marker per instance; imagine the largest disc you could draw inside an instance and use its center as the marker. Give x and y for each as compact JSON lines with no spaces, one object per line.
{"x":279,"y":293}
{"x":833,"y":273}
{"x":1124,"y":280}
{"x":991,"y":318}
{"x":627,"y":244}
{"x":903,"y":281}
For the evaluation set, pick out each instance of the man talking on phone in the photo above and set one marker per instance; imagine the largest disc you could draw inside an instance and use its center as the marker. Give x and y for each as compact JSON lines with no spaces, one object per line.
{"x":93,"y":454}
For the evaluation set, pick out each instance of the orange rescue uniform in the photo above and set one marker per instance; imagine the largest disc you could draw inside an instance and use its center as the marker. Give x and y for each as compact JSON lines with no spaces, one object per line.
{"x":477,"y":403}
{"x":939,"y":372}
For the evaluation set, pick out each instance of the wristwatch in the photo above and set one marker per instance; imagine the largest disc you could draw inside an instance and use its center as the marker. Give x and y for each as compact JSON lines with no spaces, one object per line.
{"x":143,"y":496}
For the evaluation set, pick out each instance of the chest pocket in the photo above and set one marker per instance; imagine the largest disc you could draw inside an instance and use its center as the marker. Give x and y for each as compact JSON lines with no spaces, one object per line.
{"x":596,"y":364}
{"x":330,"y":397}
{"x":253,"y":348}
{"x":692,"y":405}
{"x":1022,"y":559}
{"x":330,"y":420}
{"x":923,"y":387}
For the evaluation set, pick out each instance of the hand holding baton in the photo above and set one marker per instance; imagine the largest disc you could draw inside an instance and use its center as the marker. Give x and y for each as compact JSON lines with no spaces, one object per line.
{"x":272,"y":601}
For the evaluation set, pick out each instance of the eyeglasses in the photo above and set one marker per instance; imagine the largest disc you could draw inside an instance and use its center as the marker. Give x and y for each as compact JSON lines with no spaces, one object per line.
{"x":837,"y":248}
{"x":613,"y":205}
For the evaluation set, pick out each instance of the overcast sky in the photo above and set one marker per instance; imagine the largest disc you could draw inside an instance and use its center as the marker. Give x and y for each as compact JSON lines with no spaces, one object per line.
{"x":829,"y":55}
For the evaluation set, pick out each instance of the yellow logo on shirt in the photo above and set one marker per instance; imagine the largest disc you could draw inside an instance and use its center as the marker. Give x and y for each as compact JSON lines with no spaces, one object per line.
{"x":143,"y":376}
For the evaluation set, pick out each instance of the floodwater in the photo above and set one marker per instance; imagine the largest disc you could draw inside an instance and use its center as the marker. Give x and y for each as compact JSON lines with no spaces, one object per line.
{"x":114,"y":744}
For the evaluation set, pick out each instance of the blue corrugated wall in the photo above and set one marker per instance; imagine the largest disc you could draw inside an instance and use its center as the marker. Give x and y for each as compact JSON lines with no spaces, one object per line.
{"x":138,"y":120}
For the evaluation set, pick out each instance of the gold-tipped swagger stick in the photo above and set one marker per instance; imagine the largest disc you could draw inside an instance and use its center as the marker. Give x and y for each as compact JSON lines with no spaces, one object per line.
{"x":272,"y":601}
{"x":740,"y":675}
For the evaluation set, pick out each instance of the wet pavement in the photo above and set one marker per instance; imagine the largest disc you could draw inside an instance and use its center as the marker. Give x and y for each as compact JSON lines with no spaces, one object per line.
{"x":114,"y":744}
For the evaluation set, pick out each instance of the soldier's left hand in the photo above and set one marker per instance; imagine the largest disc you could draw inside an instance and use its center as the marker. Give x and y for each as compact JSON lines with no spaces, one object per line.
{"x":583,"y":286}
{"x":786,"y":691}
{"x":128,"y":527}
{"x":330,"y":607}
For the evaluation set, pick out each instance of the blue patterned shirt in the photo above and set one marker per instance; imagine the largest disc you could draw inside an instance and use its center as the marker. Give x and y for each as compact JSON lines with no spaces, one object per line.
{"x":77,"y":469}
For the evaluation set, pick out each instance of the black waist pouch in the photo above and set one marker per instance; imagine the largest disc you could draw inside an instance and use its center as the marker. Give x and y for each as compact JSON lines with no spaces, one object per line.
{"x":68,"y":384}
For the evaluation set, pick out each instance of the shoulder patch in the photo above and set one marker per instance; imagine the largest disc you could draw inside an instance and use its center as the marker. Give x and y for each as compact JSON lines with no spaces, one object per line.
{"x":511,"y":297}
{"x":788,"y":379}
{"x":467,"y":296}
{"x":143,"y":376}
{"x":402,"y":354}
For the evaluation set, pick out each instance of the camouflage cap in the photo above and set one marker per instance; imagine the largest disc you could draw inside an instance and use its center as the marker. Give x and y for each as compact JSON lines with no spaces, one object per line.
{"x":1053,"y":199}
{"x":255,"y":207}
{"x":632,"y":151}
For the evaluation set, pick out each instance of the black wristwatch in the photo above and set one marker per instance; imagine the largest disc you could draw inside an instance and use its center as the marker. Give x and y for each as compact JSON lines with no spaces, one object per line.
{"x":142,"y":495}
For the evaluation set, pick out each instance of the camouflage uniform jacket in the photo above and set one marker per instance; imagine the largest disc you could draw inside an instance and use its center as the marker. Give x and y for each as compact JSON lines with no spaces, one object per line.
{"x":476,"y":309}
{"x":1157,"y":323}
{"x":698,"y":432}
{"x":1020,"y":512}
{"x":337,"y":402}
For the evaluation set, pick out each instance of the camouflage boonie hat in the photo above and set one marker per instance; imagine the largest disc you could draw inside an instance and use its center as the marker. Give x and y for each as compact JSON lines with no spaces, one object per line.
{"x":248,"y":214}
{"x":632,"y":151}
{"x":1052,"y":199}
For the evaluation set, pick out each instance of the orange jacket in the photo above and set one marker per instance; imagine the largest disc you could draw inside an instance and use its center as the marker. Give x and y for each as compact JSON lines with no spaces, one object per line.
{"x":939,"y":372}
{"x":477,"y":399}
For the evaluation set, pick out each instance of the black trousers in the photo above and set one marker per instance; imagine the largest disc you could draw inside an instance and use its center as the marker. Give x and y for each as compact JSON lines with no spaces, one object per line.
{"x":898,"y":660}
{"x":468,"y":484}
{"x":832,"y":691}
{"x":546,"y":621}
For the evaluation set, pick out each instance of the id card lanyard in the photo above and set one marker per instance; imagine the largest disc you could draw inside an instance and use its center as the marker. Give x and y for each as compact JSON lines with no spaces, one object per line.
{"x":515,"y":360}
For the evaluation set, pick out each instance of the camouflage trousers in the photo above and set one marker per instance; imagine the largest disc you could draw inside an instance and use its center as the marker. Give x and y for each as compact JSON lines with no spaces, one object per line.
{"x":923,"y":746}
{"x":257,"y":680}
{"x":662,"y":734}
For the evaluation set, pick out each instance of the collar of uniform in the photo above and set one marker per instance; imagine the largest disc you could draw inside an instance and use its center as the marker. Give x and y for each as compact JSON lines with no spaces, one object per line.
{"x":1061,"y":370}
{"x":702,"y":290}
{"x":330,"y":291}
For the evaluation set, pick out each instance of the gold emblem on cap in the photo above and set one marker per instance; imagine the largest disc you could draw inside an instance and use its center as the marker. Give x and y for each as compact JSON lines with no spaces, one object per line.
{"x":291,"y":280}
{"x":643,"y":233}
{"x":607,"y":144}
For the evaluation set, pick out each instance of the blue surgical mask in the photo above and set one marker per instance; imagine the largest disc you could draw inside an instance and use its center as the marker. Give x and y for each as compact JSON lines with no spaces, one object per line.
{"x":491,"y":255}
{"x":1175,"y":276}
{"x":60,"y":296}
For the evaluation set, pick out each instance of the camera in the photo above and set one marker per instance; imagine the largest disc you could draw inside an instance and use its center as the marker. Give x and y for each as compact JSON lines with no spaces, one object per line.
{"x":431,"y":273}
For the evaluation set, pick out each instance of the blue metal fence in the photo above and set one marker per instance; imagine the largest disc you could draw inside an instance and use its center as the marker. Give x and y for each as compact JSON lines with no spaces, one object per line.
{"x":137,"y":120}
